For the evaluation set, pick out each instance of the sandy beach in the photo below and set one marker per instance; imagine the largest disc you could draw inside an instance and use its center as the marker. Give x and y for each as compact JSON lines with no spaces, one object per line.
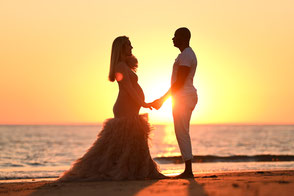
{"x":234,"y":183}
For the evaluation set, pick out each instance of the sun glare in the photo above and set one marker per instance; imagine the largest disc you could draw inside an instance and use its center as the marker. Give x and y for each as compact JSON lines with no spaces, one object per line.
{"x":163,"y":115}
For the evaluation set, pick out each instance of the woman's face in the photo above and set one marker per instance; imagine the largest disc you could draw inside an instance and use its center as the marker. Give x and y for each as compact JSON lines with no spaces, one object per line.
{"x":127,"y":49}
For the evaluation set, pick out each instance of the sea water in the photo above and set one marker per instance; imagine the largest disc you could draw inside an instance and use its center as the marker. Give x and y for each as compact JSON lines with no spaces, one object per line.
{"x":45,"y":151}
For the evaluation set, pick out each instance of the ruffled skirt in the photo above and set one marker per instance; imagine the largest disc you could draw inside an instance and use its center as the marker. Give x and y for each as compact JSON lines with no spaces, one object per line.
{"x":121,"y":152}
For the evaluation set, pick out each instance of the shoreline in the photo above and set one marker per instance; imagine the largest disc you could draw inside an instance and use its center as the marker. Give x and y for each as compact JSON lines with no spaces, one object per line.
{"x":196,"y":174}
{"x":260,"y":182}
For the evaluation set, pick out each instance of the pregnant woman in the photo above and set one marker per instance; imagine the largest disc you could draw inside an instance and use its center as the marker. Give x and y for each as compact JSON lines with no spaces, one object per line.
{"x":121,"y":150}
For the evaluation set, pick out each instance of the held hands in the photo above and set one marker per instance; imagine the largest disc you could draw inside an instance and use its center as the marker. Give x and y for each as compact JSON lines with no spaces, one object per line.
{"x":147,"y":105}
{"x":155,"y":104}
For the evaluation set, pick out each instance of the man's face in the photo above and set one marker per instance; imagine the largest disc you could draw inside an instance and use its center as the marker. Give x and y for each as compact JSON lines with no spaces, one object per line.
{"x":177,"y":39}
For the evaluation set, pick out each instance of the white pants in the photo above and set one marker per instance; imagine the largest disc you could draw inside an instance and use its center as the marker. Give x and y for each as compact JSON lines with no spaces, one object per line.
{"x":183,"y":105}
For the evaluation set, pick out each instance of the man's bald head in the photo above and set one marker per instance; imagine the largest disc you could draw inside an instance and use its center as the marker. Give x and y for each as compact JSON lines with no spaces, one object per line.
{"x":181,"y":38}
{"x":184,"y":33}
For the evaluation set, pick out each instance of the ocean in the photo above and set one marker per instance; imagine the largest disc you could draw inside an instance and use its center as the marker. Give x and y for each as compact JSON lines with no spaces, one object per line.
{"x":45,"y":151}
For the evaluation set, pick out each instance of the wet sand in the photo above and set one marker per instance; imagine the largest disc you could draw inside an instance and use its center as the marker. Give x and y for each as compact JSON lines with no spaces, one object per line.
{"x":234,"y":183}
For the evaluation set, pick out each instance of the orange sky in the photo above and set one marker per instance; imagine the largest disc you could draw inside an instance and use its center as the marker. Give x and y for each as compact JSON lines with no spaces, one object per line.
{"x":54,"y":58}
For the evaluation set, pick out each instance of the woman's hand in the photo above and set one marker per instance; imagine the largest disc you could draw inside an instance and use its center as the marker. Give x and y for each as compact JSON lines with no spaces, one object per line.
{"x":147,"y":105}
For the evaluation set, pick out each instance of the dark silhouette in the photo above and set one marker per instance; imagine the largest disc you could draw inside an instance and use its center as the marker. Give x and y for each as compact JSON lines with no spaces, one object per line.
{"x":184,"y":96}
{"x":121,"y":150}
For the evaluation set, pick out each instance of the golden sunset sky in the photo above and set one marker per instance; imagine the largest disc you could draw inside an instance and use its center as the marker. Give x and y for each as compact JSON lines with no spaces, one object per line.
{"x":54,"y":58}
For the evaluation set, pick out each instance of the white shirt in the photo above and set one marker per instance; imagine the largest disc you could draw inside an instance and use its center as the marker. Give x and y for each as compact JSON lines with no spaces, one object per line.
{"x":185,"y":58}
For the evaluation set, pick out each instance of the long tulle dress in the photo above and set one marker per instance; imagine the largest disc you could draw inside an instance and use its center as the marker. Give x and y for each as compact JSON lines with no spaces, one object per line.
{"x":121,"y":150}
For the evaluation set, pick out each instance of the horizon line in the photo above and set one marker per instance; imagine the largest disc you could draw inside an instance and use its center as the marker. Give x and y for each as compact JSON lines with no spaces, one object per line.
{"x":101,"y":123}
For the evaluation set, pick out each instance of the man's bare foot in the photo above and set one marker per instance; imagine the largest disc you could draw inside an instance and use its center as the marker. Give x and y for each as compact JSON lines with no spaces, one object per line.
{"x":185,"y":175}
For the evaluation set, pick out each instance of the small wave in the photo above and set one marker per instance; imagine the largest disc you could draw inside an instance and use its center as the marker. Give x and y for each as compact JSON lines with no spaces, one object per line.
{"x":26,"y":177}
{"x":34,"y":164}
{"x":5,"y":165}
{"x":14,"y":165}
{"x":235,"y":158}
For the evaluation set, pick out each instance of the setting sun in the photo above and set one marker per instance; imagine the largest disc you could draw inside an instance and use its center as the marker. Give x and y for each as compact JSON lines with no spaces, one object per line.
{"x":55,"y":59}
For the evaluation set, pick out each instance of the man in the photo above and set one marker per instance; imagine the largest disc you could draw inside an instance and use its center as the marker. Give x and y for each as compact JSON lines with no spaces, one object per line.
{"x":184,"y":96}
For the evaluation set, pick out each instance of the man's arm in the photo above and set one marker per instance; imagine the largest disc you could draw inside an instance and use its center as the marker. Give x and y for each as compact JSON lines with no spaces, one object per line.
{"x":182,"y":75}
